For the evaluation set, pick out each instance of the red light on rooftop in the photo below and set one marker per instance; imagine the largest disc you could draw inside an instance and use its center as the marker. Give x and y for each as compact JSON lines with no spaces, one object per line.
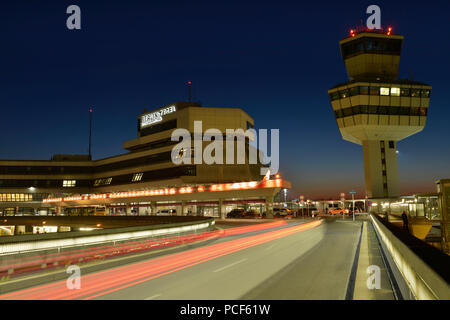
{"x":352,"y":32}
{"x":389,"y":31}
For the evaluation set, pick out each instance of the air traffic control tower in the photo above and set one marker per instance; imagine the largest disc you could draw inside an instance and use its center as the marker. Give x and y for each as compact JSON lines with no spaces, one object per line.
{"x":374,"y":108}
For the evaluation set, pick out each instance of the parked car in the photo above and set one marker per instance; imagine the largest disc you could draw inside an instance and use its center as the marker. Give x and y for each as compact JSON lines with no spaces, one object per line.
{"x":338,"y":211}
{"x":236,"y":213}
{"x":282,"y":212}
{"x":166,"y":212}
{"x":252,"y":214}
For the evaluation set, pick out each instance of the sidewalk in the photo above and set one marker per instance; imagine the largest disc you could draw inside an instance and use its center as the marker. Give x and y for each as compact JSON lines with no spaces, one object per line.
{"x":370,"y":255}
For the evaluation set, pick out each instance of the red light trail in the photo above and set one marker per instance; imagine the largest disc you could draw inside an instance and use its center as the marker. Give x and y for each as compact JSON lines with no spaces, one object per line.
{"x":36,"y":262}
{"x":104,"y":282}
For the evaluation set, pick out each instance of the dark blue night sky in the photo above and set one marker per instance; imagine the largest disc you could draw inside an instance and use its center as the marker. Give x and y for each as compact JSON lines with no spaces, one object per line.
{"x":274,"y":59}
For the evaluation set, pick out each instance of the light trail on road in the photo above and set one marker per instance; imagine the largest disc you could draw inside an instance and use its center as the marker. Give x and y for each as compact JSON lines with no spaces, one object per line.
{"x":40,"y":261}
{"x":101,"y":283}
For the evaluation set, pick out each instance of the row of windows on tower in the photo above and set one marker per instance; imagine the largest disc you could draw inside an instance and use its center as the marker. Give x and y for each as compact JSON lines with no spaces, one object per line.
{"x":380,"y":91}
{"x":382,"y":110}
{"x":371,"y":45}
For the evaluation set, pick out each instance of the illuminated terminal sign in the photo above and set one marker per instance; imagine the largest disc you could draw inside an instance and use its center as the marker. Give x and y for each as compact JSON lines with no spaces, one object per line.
{"x":156,"y":116}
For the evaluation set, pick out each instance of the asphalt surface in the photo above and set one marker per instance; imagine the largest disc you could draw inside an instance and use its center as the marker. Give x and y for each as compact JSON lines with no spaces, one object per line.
{"x":310,"y":264}
{"x":295,"y":263}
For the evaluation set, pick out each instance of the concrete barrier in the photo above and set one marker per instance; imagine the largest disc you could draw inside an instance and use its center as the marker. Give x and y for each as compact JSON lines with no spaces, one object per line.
{"x":423,"y":281}
{"x":31,"y":243}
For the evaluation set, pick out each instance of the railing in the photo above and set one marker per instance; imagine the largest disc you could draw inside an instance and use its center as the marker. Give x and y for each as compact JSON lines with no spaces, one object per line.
{"x":424,"y":268}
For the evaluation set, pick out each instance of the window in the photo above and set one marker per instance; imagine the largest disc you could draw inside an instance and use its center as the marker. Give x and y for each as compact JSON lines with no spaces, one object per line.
{"x":102,"y":182}
{"x":8,"y":197}
{"x":404,"y":111}
{"x":384,"y":91}
{"x":393,"y":110}
{"x":415,"y":111}
{"x":395,"y":92}
{"x":364,"y":90}
{"x":391,"y":145}
{"x":334,"y":96}
{"x":137,"y":177}
{"x":384,"y":110}
{"x":344,"y":93}
{"x":415,"y":93}
{"x":425,"y":93}
{"x":374,"y":91}
{"x":347,"y":112}
{"x":338,"y":113}
{"x":372,"y":109}
{"x":69,"y":183}
{"x":356,"y":109}
{"x":364,"y":109}
{"x":404,"y":92}
{"x":354,"y":91}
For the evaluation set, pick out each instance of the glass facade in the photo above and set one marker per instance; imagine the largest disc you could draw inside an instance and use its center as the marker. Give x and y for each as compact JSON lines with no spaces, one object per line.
{"x":371,"y":45}
{"x":383,"y":110}
{"x":380,"y":91}
{"x":11,"y":197}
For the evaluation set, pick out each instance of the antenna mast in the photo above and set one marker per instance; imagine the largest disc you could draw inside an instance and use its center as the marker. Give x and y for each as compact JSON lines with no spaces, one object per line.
{"x":90,"y":133}
{"x":189,"y":91}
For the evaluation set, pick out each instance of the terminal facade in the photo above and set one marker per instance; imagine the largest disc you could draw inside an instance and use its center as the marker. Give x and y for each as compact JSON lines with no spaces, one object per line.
{"x":26,"y":185}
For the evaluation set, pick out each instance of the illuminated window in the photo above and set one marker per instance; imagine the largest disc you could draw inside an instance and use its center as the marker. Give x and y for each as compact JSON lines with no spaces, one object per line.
{"x":395,"y":92}
{"x":384,"y":91}
{"x":137,"y":177}
{"x":69,"y":183}
{"x":102,"y":182}
{"x":8,"y":197}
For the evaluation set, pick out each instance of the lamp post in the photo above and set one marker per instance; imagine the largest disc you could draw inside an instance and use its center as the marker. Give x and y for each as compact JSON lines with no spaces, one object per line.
{"x":343,"y":204}
{"x":353,"y":203}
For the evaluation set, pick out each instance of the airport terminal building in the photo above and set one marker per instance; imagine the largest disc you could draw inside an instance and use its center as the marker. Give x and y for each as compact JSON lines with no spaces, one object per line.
{"x":144,"y":180}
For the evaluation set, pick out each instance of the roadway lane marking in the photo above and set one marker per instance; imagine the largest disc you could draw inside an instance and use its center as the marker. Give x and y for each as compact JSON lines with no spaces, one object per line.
{"x":230,"y":265}
{"x":153,"y":297}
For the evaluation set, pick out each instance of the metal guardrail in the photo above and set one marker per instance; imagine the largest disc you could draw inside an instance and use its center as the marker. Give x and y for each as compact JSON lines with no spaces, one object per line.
{"x":423,"y":267}
{"x":21,"y":244}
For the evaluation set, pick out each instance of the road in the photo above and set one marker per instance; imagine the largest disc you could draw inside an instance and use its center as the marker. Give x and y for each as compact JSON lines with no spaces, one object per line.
{"x":295,"y":262}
